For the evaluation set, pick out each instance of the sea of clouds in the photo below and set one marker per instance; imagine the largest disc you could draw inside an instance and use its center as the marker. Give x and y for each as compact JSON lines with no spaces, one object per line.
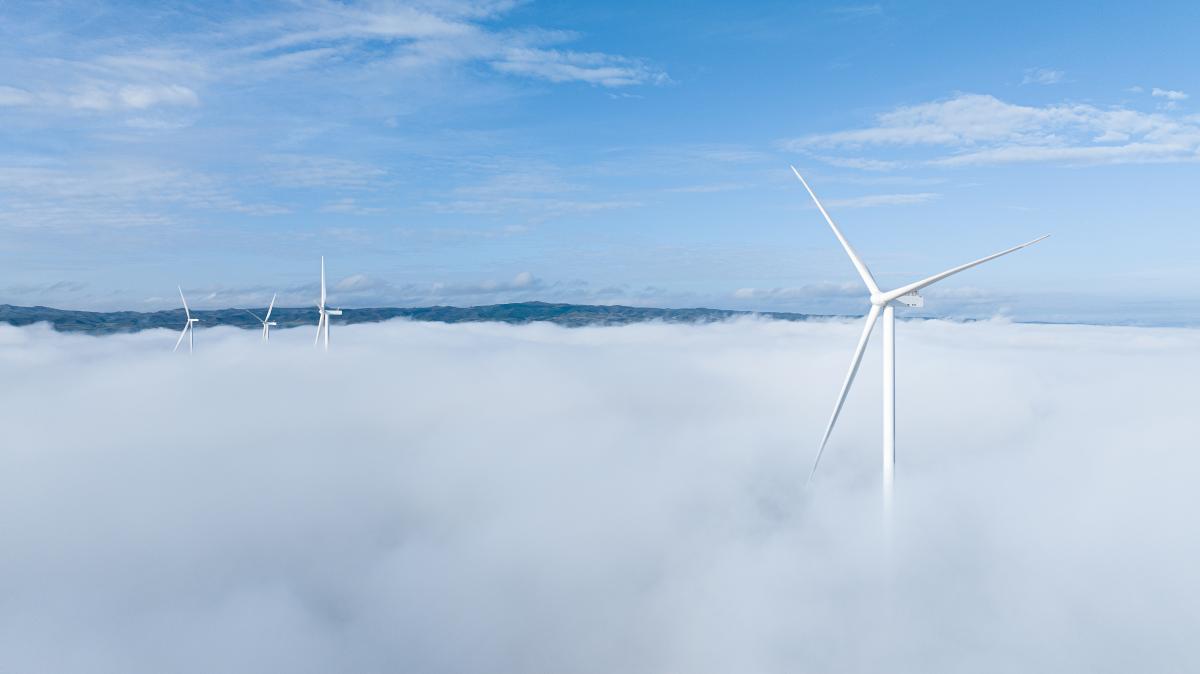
{"x":489,"y":498}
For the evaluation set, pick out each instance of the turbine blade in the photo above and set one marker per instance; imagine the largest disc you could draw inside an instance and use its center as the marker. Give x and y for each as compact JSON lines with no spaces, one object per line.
{"x":270,"y":307}
{"x":858,"y":263}
{"x":951,"y":272}
{"x":322,"y":281}
{"x":185,"y":306}
{"x":180,"y":340}
{"x":854,"y":363}
{"x":260,"y":320}
{"x":320,"y":322}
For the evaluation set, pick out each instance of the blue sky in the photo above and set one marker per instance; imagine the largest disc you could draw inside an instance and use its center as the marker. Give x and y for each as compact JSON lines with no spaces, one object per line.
{"x":476,"y":152}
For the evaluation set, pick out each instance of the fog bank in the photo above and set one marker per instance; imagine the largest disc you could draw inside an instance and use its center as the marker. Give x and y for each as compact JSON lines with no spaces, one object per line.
{"x":490,"y":498}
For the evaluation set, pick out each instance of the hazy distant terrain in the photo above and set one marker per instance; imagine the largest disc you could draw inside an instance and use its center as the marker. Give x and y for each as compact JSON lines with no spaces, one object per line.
{"x":571,"y":315}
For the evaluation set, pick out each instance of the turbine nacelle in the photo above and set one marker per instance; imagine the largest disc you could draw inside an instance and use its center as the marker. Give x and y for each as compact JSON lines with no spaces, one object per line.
{"x":895,"y":295}
{"x":912,"y":299}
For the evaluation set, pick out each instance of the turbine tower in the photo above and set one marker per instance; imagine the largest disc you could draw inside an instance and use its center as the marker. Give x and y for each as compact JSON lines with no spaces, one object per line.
{"x":266,"y":322}
{"x":187,"y":327}
{"x":323,"y":321}
{"x":885,"y":303}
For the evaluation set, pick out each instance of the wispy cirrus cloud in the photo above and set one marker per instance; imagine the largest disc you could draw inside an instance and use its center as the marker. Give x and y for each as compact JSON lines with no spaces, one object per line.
{"x":173,"y":67}
{"x":371,"y":290}
{"x":535,"y":190}
{"x":359,"y":289}
{"x":856,"y":11}
{"x":805,"y":292}
{"x":871,"y":200}
{"x":225,"y":103}
{"x":115,"y":194}
{"x":417,"y":35}
{"x":982,"y":129}
{"x":566,"y":66}
{"x":308,"y":171}
{"x":1043,"y":76}
{"x":101,"y":77}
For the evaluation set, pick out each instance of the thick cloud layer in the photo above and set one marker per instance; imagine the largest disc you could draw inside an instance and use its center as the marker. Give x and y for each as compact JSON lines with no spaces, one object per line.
{"x":486,"y":498}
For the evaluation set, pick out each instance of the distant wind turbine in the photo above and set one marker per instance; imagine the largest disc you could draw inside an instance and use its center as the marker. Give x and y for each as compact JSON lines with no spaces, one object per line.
{"x":323,"y":321}
{"x":187,"y":327}
{"x":266,"y":322}
{"x":884,"y":302}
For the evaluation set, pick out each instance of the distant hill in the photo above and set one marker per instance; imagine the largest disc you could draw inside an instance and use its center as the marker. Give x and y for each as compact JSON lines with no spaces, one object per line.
{"x":571,"y":315}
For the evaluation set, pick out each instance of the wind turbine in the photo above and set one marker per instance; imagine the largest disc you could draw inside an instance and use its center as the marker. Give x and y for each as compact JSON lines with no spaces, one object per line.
{"x":323,"y":321}
{"x":266,"y":322}
{"x":885,"y":303}
{"x":187,"y":327}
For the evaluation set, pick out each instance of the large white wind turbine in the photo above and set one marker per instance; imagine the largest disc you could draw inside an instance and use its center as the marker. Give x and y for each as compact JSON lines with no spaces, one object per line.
{"x":883,"y":302}
{"x":323,"y":321}
{"x":266,"y":322}
{"x":187,"y":327}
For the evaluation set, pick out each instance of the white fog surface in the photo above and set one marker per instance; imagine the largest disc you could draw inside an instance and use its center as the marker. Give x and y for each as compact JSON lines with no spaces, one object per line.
{"x":489,"y":498}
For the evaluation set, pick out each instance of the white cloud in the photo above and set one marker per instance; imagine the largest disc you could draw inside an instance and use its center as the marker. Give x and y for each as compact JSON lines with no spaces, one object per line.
{"x":861,"y":163}
{"x":12,"y":96}
{"x":311,"y":171}
{"x":98,"y":73}
{"x":559,"y":66}
{"x":484,"y":498}
{"x":1169,"y":94}
{"x":812,"y":291}
{"x":370,"y":290}
{"x":536,"y":208}
{"x":94,"y":77}
{"x":522,"y":282}
{"x":1042,"y":76}
{"x":350,"y":206}
{"x":1173,"y":97}
{"x":114,"y":194}
{"x":142,"y":96}
{"x":983,"y":129}
{"x":535,"y":190}
{"x":872,"y":200}
{"x":428,"y":35}
{"x":857,"y":11}
{"x":105,"y":97}
{"x":705,"y":189}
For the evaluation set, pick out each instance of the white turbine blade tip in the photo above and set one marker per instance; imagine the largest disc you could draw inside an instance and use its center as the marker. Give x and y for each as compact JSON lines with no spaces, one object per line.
{"x":801,"y":178}
{"x":904,"y":290}
{"x":861,"y":267}
{"x":855,"y":361}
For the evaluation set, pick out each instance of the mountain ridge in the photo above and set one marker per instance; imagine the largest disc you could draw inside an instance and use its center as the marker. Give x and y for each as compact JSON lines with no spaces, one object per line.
{"x":516,"y":313}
